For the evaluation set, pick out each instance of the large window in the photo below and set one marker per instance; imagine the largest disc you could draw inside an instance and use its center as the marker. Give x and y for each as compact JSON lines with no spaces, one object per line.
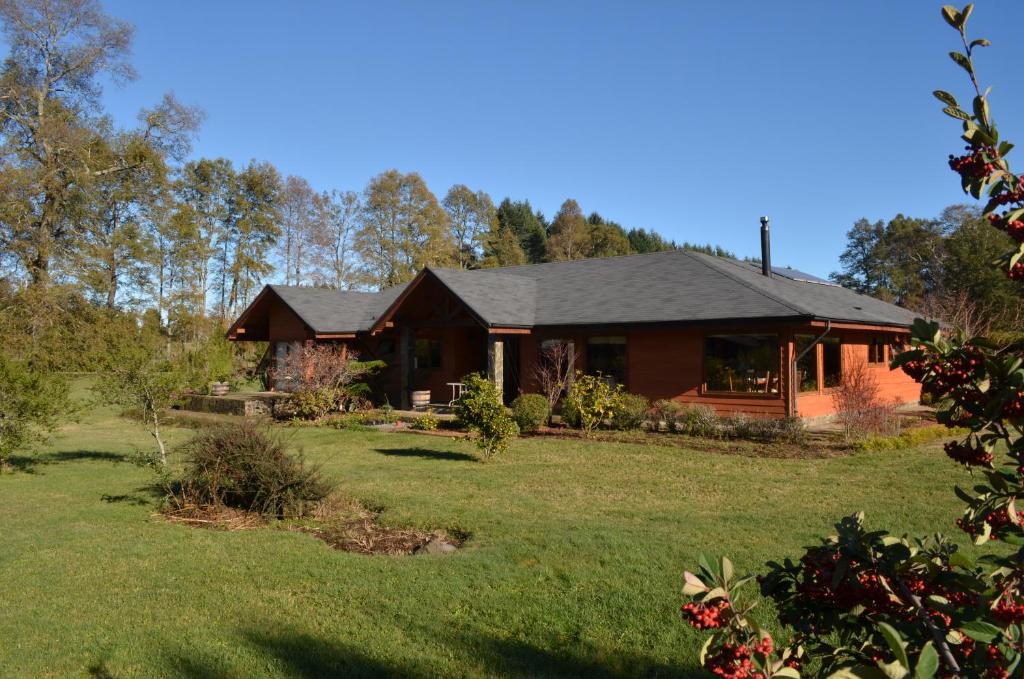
{"x":742,"y":363}
{"x":807,"y":366}
{"x":832,"y":361}
{"x":428,"y":353}
{"x":607,"y":355}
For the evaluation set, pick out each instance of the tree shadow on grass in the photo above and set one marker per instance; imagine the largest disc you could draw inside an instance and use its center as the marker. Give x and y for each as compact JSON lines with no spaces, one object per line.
{"x":30,"y":463}
{"x":426,"y":454}
{"x":520,"y":658}
{"x":297,"y":654}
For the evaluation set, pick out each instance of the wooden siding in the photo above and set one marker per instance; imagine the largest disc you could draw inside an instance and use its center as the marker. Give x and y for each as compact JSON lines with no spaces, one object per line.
{"x":894,"y":385}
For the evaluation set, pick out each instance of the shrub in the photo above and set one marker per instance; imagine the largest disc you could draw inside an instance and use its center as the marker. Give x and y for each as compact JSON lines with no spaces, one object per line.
{"x":310,"y":404}
{"x":246,"y":467}
{"x":859,"y":406}
{"x":668,"y":411}
{"x":481,"y":411}
{"x":699,"y":420}
{"x":631,"y":411}
{"x":31,"y":405}
{"x":590,"y":401}
{"x":530,"y":411}
{"x":425,"y":422}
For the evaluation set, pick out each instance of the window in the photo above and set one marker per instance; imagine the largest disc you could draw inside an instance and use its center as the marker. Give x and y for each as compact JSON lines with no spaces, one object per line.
{"x":742,"y":363}
{"x":876,"y":350}
{"x":607,"y":355}
{"x":807,"y":366}
{"x":831,"y":361}
{"x":428,"y":354}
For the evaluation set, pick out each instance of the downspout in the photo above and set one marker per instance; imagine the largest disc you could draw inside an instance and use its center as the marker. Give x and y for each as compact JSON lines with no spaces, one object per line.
{"x":796,"y":359}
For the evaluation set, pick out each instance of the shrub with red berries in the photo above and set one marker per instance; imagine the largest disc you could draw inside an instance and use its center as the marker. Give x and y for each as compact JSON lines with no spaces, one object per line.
{"x":869,"y":604}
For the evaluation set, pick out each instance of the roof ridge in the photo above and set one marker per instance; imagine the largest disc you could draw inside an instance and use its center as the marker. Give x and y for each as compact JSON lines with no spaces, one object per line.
{"x":747,"y":285}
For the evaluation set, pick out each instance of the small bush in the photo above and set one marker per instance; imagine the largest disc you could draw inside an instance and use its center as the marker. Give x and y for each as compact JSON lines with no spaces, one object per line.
{"x":530,"y":411}
{"x":425,"y":422}
{"x":668,"y":411}
{"x":351,"y":422}
{"x":481,"y":411}
{"x":590,"y":401}
{"x":631,"y":411}
{"x":699,"y":420}
{"x":310,"y":404}
{"x":246,"y":467}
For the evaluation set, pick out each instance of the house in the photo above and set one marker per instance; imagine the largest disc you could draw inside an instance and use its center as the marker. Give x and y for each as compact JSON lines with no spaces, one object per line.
{"x":737,"y":336}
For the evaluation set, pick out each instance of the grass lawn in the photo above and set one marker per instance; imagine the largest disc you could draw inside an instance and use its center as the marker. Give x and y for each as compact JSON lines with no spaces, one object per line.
{"x":573,"y":567}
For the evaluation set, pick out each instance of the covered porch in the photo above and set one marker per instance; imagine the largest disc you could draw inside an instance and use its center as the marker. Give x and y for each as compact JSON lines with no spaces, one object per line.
{"x":439,"y":338}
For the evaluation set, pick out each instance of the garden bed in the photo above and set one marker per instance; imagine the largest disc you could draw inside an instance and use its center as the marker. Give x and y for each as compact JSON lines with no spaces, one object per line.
{"x":345,"y":525}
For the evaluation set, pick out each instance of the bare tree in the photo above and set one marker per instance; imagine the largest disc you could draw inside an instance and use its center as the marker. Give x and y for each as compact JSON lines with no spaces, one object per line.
{"x":336,"y":214}
{"x":964,"y":312}
{"x":554,"y":370}
{"x":297,"y":227}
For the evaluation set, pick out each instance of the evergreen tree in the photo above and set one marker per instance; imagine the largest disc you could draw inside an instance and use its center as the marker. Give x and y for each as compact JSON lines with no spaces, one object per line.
{"x":528,"y":226}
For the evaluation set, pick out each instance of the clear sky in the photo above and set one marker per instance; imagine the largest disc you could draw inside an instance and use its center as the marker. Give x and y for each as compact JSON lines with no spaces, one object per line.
{"x":689,"y":118}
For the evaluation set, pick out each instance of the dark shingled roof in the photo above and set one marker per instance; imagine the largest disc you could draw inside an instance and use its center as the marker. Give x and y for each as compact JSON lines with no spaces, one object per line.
{"x":673,"y":286}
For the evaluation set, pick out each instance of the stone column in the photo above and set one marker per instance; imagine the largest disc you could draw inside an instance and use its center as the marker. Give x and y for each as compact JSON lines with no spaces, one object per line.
{"x":496,"y":363}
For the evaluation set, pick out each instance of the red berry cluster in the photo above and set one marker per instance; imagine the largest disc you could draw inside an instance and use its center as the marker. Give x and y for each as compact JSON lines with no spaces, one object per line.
{"x":976,"y":164}
{"x":997,"y":519}
{"x":969,"y":453}
{"x":916,"y":369}
{"x":732,"y":661}
{"x":1014,"y":228}
{"x":1009,"y":610}
{"x":942,"y":377}
{"x":1016,"y":272}
{"x":705,"y":616}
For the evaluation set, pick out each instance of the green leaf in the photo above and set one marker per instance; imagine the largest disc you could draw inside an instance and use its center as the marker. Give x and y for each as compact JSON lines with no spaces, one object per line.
{"x":894,"y":669}
{"x":895,"y":642}
{"x":980,"y":42}
{"x":951,"y":15}
{"x":705,"y":564}
{"x":980,"y":630}
{"x":692,"y":584}
{"x":927,"y":662}
{"x":788,"y":672}
{"x":962,"y":61}
{"x":954,"y":112}
{"x":727,"y":569}
{"x":980,"y":108}
{"x":964,"y":15}
{"x":1004,"y":148}
{"x":946,"y":98}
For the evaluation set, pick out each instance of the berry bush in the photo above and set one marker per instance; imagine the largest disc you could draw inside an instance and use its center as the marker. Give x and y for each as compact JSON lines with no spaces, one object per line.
{"x":865,"y":603}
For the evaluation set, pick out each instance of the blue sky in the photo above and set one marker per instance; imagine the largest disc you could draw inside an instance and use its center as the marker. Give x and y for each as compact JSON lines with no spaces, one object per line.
{"x":689,"y":118}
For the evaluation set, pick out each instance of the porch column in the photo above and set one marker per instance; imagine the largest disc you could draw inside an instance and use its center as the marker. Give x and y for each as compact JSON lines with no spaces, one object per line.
{"x":496,"y":362}
{"x":405,"y":363}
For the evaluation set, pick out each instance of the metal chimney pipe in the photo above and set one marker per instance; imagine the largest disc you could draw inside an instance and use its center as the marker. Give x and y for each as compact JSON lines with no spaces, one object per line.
{"x":766,"y":249}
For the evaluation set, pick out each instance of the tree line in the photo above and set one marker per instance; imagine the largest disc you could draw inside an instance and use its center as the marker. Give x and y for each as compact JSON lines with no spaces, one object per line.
{"x":939,"y":267}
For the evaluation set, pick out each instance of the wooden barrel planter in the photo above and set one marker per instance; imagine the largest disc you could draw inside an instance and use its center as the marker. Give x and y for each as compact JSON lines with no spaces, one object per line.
{"x":420,"y":399}
{"x":219,"y":388}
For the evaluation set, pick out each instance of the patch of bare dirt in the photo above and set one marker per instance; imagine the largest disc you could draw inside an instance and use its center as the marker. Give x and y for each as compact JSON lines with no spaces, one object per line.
{"x":351,"y":527}
{"x":343,"y":524}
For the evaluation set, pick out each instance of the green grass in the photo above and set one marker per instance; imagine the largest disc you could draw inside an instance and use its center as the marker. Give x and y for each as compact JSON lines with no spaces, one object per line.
{"x":573,"y":567}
